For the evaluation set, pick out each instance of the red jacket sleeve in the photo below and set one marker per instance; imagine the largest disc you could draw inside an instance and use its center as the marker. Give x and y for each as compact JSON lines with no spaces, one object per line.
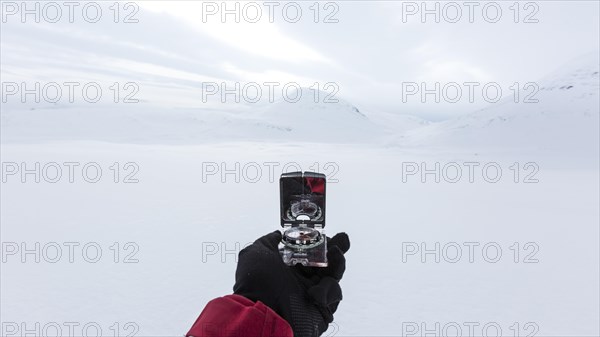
{"x":237,"y":316}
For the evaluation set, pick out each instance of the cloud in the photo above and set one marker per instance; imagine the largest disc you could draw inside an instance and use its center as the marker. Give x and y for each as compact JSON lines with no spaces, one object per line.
{"x":261,"y":38}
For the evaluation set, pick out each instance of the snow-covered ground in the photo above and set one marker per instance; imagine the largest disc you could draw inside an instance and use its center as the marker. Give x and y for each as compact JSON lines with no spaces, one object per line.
{"x":185,"y":230}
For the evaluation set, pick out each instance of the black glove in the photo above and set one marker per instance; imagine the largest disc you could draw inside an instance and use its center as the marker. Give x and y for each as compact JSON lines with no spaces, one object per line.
{"x":306,"y":297}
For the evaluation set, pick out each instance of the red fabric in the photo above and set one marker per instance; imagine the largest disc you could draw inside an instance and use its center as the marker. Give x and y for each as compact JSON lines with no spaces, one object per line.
{"x":237,"y":316}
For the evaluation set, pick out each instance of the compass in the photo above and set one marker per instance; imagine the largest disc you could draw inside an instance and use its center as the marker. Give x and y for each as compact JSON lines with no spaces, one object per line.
{"x":302,"y":237}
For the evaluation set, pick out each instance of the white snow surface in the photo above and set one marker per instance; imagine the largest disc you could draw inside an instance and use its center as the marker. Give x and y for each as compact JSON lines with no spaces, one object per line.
{"x":174,"y":218}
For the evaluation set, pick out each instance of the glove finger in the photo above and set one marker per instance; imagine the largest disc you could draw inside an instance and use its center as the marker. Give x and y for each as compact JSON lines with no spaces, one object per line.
{"x":270,"y":241}
{"x":336,"y":264}
{"x":341,"y":240}
{"x":327,"y":295}
{"x":326,"y":292}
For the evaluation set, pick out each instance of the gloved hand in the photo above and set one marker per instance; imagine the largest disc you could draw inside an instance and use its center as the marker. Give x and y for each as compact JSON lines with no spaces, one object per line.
{"x":305,"y":297}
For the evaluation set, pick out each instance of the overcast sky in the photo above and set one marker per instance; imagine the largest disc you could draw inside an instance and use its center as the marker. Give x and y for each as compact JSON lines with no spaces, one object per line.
{"x":377,"y":45}
{"x":373,"y":49}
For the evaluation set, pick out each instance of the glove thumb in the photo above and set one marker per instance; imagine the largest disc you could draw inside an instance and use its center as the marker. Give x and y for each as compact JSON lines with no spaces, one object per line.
{"x":270,"y":241}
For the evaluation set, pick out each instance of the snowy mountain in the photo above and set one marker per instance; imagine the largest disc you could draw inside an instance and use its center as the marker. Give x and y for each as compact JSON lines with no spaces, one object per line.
{"x":317,"y":117}
{"x":564,"y":118}
{"x":302,"y":120}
